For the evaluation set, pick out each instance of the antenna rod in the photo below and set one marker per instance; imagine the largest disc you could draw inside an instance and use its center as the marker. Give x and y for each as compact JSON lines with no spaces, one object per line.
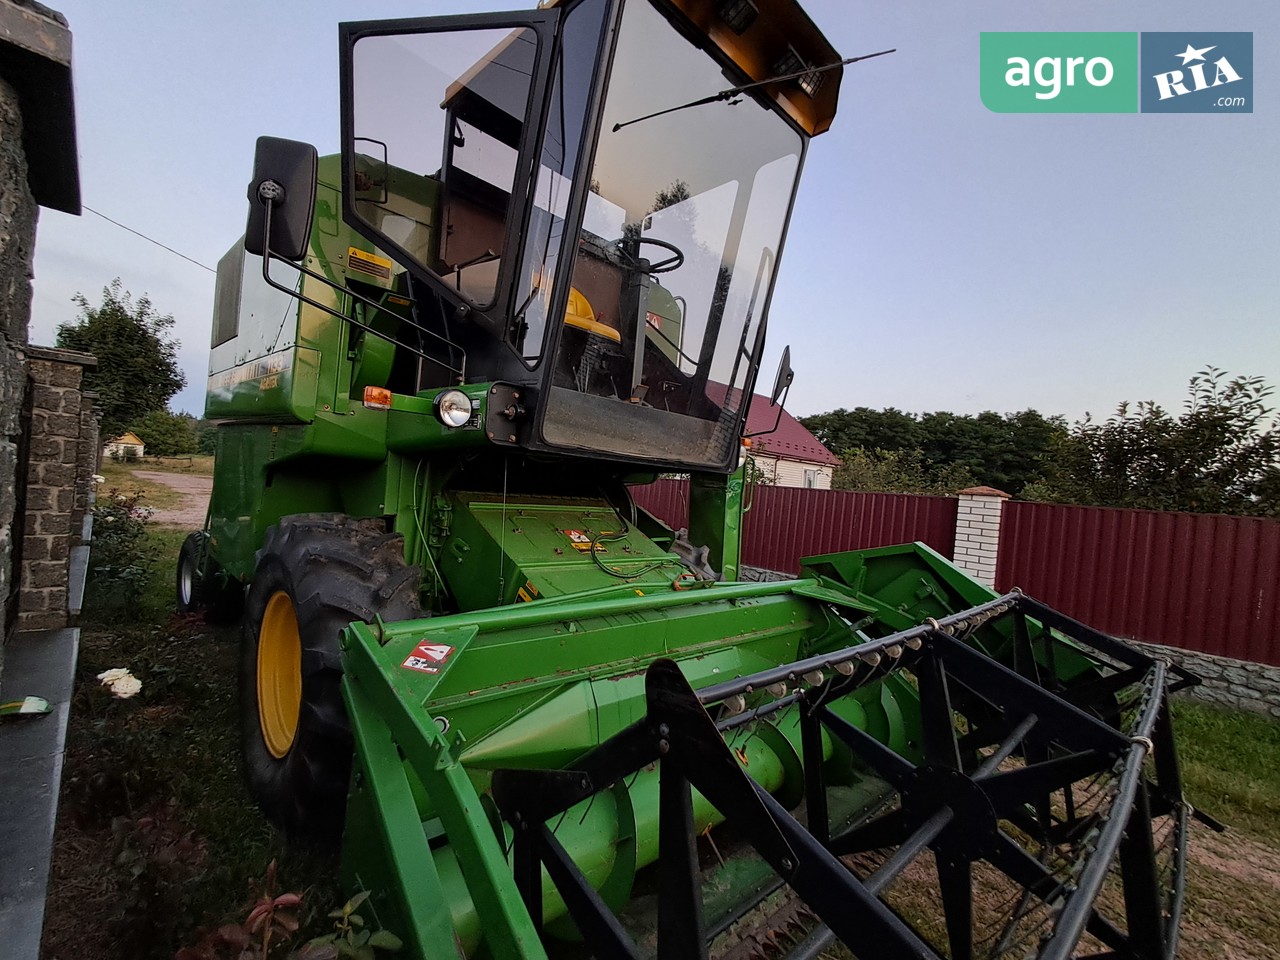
{"x":734,"y":91}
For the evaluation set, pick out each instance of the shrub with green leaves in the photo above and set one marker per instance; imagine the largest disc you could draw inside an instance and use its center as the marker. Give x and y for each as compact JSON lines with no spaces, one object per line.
{"x":120,"y":559}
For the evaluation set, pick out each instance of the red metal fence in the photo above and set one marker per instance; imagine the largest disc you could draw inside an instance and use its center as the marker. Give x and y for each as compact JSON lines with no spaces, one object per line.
{"x":1198,"y":581}
{"x":668,"y":500}
{"x":787,"y":523}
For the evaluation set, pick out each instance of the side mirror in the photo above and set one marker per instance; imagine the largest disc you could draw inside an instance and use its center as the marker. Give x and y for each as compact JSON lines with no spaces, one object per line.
{"x":785,"y":375}
{"x":284,"y":172}
{"x":781,"y":386}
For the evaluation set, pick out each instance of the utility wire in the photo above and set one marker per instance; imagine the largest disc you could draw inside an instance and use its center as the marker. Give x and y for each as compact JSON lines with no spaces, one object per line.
{"x":149,"y":239}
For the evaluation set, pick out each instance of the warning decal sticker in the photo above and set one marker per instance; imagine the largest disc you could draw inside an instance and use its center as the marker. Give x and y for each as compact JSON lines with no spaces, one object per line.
{"x":370,"y":263}
{"x":428,"y":657}
{"x":582,"y":541}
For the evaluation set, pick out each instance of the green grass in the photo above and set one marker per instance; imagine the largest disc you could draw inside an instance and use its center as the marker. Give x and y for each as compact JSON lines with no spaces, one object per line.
{"x":1231,"y":766}
{"x":121,"y":478}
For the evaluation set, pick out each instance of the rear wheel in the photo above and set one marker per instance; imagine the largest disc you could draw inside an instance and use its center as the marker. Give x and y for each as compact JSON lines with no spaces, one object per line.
{"x":314,"y":575}
{"x":188,"y":585}
{"x":201,"y":587}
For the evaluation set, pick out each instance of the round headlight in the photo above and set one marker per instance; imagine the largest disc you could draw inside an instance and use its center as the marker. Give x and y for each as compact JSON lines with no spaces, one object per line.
{"x":453,"y":408}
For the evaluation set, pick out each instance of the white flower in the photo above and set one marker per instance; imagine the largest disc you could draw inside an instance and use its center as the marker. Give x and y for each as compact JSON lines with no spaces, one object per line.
{"x":98,"y":478}
{"x":121,"y":682}
{"x":108,"y":519}
{"x":126,"y":687}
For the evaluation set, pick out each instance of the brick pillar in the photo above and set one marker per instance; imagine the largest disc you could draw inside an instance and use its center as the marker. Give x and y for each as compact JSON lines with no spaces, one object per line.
{"x":57,"y":482}
{"x":978,"y":532}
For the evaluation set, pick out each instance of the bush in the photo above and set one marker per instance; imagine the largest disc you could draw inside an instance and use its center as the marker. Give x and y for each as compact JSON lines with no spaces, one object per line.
{"x":898,"y":471}
{"x":1220,"y":455}
{"x":120,"y":559}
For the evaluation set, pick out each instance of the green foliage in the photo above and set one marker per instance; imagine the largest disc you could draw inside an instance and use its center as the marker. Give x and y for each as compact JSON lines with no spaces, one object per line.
{"x":163,"y":761}
{"x":678,"y":192}
{"x":167,"y":434}
{"x":1221,"y":455}
{"x":272,"y":923}
{"x":350,"y":938}
{"x":137,"y":357}
{"x":158,"y":862}
{"x":898,"y":471}
{"x":1006,"y":451}
{"x":865,"y":429}
{"x":757,"y":475}
{"x":120,"y":558}
{"x":206,"y":438}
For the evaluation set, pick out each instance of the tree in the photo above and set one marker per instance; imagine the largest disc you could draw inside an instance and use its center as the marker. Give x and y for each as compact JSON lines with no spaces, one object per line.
{"x":678,"y":192}
{"x":897,"y":471}
{"x":865,"y":429}
{"x":1222,"y":455}
{"x":206,"y":437}
{"x":166,"y":434}
{"x":137,"y":357}
{"x":1007,"y":451}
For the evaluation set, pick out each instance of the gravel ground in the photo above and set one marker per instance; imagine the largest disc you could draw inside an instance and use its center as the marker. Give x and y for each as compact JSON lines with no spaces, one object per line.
{"x":189,"y":513}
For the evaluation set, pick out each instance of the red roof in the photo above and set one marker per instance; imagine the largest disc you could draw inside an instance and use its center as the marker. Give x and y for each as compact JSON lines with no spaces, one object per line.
{"x":791,"y":441}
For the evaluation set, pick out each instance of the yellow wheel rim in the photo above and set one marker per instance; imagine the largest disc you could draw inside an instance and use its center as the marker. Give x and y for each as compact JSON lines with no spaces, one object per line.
{"x":279,"y":674}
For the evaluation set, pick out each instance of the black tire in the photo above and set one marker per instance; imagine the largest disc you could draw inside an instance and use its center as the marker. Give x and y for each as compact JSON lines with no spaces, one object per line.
{"x":334,"y":570}
{"x":190,"y":581}
{"x":200,"y":586}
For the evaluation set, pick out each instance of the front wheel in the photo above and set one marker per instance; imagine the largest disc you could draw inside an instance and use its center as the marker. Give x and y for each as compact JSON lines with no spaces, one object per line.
{"x":314,"y":575}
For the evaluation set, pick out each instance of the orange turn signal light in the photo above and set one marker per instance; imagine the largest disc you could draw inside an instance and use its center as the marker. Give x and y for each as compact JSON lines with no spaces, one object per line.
{"x":377,"y":398}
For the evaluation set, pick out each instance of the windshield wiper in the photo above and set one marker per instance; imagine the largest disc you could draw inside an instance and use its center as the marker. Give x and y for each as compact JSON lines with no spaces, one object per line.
{"x":734,"y":91}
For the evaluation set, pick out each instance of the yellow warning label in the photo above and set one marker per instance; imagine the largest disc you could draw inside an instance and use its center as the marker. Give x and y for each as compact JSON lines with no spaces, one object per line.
{"x":582,"y":541}
{"x":527,"y":592}
{"x":368,"y":263}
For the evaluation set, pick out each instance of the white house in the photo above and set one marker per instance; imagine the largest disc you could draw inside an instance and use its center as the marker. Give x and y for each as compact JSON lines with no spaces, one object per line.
{"x":126,"y":447}
{"x":789,"y":456}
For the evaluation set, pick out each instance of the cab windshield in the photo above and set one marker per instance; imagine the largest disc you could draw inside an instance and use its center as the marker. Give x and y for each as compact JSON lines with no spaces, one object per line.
{"x":675,"y":260}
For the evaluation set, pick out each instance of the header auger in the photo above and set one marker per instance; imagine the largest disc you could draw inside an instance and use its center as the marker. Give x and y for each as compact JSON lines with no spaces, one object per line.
{"x":543,"y":723}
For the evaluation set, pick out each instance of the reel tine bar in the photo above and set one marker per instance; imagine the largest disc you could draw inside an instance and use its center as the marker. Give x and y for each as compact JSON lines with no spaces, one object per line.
{"x":1040,"y":743}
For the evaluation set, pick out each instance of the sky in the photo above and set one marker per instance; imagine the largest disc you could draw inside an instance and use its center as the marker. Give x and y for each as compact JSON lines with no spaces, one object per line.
{"x":940,"y":256}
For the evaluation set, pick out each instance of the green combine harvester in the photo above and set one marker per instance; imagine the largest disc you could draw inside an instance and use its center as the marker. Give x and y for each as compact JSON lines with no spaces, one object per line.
{"x":542,"y":722}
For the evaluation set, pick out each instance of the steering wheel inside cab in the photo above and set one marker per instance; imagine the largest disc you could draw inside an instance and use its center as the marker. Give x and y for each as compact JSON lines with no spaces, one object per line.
{"x":629,"y":250}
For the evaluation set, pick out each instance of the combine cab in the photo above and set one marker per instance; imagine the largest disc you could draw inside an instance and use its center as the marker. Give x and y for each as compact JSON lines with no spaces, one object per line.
{"x":542,"y":722}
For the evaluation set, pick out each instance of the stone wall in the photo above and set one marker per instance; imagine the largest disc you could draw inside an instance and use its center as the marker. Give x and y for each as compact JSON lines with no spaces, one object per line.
{"x":1232,"y":683}
{"x":17,"y":239}
{"x":62,"y":459}
{"x":761,"y":575}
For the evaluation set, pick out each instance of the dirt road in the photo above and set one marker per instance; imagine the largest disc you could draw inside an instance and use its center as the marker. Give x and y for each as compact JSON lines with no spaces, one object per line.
{"x":189,"y":513}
